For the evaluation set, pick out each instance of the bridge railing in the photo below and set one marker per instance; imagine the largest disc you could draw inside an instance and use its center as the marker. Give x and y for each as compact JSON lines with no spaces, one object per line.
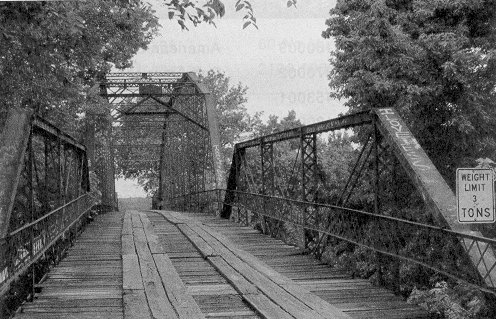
{"x":378,"y":189}
{"x":429,"y":247}
{"x":44,"y":201}
{"x":27,"y":244}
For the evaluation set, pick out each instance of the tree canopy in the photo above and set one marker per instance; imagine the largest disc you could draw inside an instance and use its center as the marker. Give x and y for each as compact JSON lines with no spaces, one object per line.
{"x":230,"y":100}
{"x":434,"y":61}
{"x":52,"y":52}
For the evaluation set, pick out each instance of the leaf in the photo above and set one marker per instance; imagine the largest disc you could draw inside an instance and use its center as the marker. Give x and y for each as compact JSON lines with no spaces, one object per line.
{"x":240,"y":6}
{"x":183,"y":26}
{"x":217,"y":6}
{"x":247,"y":23}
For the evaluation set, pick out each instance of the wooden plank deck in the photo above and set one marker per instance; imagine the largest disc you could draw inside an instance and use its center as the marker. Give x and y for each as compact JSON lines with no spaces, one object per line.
{"x":159,"y":264}
{"x":88,"y":282}
{"x":357,"y":298}
{"x":216,"y":298}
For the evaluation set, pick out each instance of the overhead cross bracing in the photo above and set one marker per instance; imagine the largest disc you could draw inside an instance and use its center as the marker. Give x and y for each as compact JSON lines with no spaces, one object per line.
{"x":164,"y":122}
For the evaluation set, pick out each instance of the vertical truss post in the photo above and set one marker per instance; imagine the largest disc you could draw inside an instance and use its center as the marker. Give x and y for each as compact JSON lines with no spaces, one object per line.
{"x":267,"y":170}
{"x":162,"y":187}
{"x":376,"y":169}
{"x":60,"y":199}
{"x":31,"y":204}
{"x":107,"y":172}
{"x":213,"y":128}
{"x":45,"y":192}
{"x":267,"y":161}
{"x":189,"y":179}
{"x":233,"y":181}
{"x":89,"y":141}
{"x":396,"y":263}
{"x":379,"y":256}
{"x":31,"y":178}
{"x":308,"y":145}
{"x":89,"y":138}
{"x":179,"y":160}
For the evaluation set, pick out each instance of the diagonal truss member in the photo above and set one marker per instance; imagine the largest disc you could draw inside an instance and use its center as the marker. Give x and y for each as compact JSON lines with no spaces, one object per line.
{"x":173,"y":110}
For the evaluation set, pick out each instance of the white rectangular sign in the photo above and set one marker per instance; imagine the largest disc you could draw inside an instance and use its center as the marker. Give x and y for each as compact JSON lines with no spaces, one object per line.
{"x":475,"y":195}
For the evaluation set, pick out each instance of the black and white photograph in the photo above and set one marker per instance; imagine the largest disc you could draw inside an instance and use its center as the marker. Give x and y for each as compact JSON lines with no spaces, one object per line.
{"x":248,"y":159}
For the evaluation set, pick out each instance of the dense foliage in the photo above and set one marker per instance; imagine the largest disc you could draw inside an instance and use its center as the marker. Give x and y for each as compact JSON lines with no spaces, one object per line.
{"x":434,"y":61}
{"x":52,"y":53}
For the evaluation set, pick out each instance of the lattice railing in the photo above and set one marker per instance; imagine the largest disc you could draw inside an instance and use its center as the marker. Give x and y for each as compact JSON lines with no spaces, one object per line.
{"x":426,"y":246}
{"x":378,"y":190}
{"x":28,"y":243}
{"x":44,"y":199}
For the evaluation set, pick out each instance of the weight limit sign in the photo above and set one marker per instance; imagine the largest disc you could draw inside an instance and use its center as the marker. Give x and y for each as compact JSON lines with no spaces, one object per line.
{"x":475,"y":195}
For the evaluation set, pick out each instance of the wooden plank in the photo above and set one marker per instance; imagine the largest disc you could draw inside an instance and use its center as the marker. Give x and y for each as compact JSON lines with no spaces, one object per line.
{"x":232,"y":314}
{"x":142,"y":267}
{"x":285,"y":300}
{"x":219,"y":289}
{"x":173,"y":219}
{"x":182,"y":302}
{"x":127,"y":227}
{"x":151,"y":237}
{"x":158,"y":302}
{"x":315,"y":302}
{"x":281,"y":263}
{"x":136,"y":221}
{"x":89,"y":285}
{"x":131,"y":275}
{"x":262,"y":246}
{"x":309,"y":299}
{"x":83,"y":315}
{"x":205,"y":249}
{"x":276,"y":293}
{"x":298,"y":302}
{"x":141,"y":244}
{"x":128,"y":244}
{"x":135,"y":305}
{"x":266,"y":307}
{"x":239,"y":283}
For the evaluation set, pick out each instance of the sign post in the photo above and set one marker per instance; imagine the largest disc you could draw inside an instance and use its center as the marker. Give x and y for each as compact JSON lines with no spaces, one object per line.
{"x":475,"y":195}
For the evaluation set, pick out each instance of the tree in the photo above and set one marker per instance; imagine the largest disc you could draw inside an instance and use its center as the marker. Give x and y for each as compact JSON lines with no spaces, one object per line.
{"x":275,"y":125}
{"x":434,"y":61}
{"x":234,"y":121}
{"x":53,"y":53}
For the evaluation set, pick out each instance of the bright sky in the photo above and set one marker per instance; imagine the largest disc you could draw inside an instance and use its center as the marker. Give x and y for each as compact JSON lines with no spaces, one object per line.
{"x":284,"y":63}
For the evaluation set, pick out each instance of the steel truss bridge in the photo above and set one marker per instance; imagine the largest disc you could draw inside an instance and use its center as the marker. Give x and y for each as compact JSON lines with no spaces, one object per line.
{"x":163,"y":126}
